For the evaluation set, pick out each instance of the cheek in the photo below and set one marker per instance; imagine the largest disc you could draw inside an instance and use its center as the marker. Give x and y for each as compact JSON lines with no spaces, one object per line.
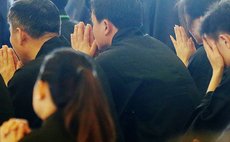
{"x":96,"y":36}
{"x":35,"y":99}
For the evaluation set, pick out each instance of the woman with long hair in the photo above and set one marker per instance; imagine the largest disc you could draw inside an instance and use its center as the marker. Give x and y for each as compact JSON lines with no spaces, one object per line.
{"x":69,"y":99}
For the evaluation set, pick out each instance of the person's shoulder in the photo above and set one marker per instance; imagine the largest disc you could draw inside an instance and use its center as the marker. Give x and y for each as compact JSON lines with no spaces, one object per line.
{"x":199,"y":59}
{"x":53,"y":129}
{"x":26,"y":74}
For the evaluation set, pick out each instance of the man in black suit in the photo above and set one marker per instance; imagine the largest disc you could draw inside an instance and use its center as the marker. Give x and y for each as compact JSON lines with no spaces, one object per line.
{"x":6,"y":107}
{"x":33,"y":35}
{"x":153,"y":92}
{"x":213,"y":114}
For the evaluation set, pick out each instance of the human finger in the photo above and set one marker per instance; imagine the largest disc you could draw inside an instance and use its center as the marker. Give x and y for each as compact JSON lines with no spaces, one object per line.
{"x":207,"y":48}
{"x":93,"y":48}
{"x":74,"y":39}
{"x":91,"y":36}
{"x":80,"y":31}
{"x":173,"y":41}
{"x":177,"y":33}
{"x":87,"y":34}
{"x":4,"y":55}
{"x":10,"y":57}
{"x":183,"y":34}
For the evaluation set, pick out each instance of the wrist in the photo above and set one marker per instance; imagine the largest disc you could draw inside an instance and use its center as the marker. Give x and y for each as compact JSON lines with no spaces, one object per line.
{"x":218,"y":72}
{"x":185,"y":61}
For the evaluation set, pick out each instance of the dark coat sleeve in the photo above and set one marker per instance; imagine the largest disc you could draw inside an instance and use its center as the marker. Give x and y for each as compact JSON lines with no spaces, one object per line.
{"x":213,"y":115}
{"x":6,"y":107}
{"x":21,"y":90}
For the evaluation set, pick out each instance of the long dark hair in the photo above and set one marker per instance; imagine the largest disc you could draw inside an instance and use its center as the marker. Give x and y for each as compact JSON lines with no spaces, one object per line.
{"x":76,"y":90}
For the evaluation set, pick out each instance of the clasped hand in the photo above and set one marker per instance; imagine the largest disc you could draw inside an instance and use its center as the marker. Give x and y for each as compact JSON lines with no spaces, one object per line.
{"x":82,"y":39}
{"x":184,"y":45}
{"x":9,"y":63}
{"x":14,"y":130}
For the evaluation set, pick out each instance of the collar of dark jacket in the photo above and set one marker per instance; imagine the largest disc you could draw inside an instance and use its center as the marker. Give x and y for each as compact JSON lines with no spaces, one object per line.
{"x":49,"y":46}
{"x":123,"y":34}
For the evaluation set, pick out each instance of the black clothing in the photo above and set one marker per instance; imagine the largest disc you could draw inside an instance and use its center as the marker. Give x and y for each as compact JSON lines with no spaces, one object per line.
{"x":67,"y":27}
{"x":201,"y":70}
{"x":22,"y":83}
{"x":153,"y":92}
{"x":6,"y":106}
{"x":213,"y":114}
{"x":52,"y":130}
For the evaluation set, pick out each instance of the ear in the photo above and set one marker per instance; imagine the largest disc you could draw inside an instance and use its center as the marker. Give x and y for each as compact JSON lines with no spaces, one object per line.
{"x":42,"y":90}
{"x":225,"y":40}
{"x":22,"y":36}
{"x":108,"y":27}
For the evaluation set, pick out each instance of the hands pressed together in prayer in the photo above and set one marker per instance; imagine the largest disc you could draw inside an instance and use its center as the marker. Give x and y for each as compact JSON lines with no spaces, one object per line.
{"x":184,"y":45}
{"x":14,"y":130}
{"x":82,"y":39}
{"x":9,"y":63}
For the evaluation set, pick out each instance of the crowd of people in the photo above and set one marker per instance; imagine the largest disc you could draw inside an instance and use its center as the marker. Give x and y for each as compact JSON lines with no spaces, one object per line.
{"x":106,"y":80}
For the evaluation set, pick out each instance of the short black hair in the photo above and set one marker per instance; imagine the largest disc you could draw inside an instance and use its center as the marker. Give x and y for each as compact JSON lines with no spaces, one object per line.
{"x":193,"y":9}
{"x":36,"y":17}
{"x":60,"y":4}
{"x":217,"y":20}
{"x":122,"y":13}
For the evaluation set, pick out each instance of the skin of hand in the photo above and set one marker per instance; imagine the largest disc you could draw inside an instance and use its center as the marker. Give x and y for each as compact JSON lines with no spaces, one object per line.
{"x":9,"y":63}
{"x":184,"y":45}
{"x":216,"y":61}
{"x":82,"y":39}
{"x":13,"y":130}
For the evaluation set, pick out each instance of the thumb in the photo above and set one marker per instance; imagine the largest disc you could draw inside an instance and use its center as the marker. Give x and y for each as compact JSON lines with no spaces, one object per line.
{"x":173,"y":41}
{"x":93,"y":49}
{"x":19,"y":65}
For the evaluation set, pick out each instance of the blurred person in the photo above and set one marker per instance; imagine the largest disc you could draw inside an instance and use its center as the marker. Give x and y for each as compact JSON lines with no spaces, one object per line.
{"x":150,"y":85}
{"x":191,"y":13}
{"x":67,"y":25}
{"x":79,"y":10}
{"x":70,"y":100}
{"x":33,"y":35}
{"x":4,"y":27}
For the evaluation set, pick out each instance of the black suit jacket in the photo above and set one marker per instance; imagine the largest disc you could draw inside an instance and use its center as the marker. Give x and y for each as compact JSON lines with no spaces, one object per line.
{"x":22,"y":83}
{"x":6,"y":106}
{"x":52,"y":130}
{"x":153,"y":91}
{"x":212,"y":116}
